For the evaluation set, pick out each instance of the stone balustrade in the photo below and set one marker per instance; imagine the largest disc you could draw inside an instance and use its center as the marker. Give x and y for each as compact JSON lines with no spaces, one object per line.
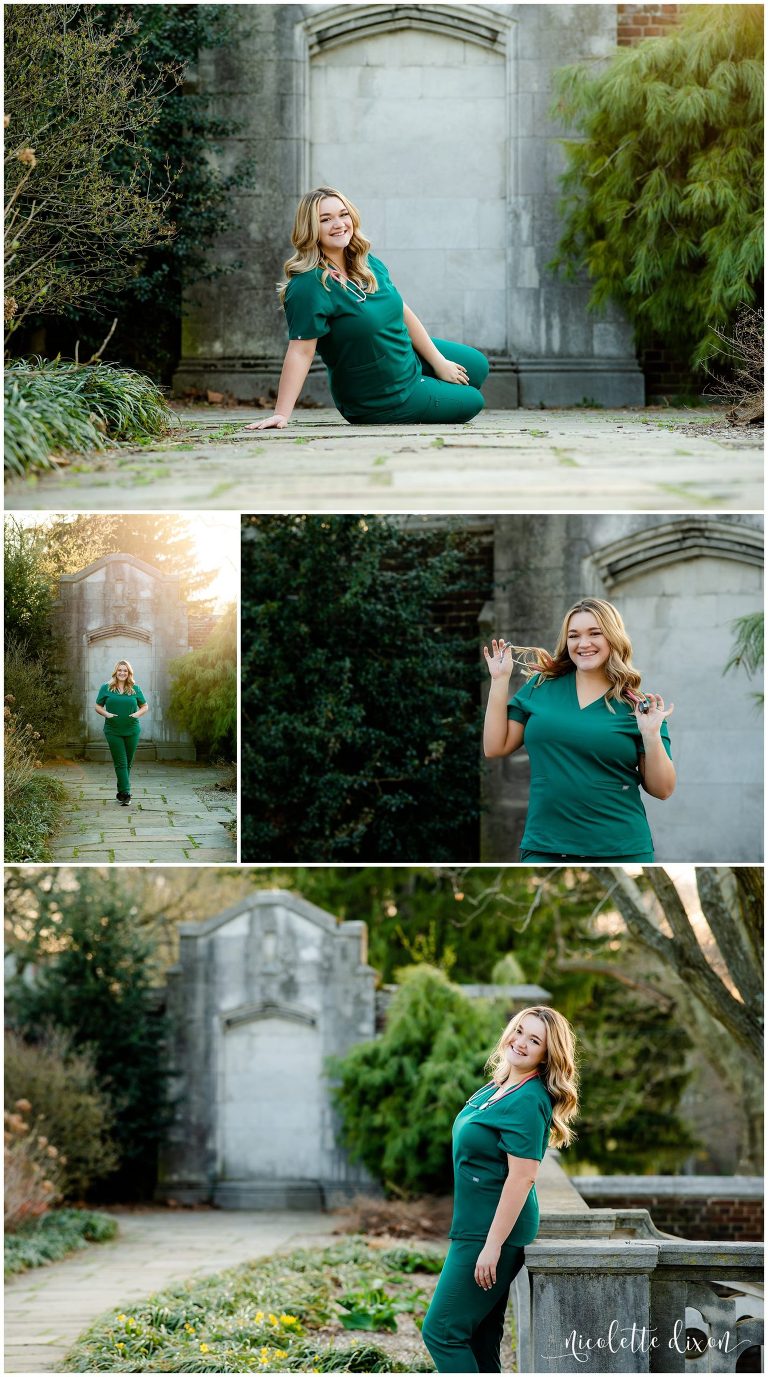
{"x":606,"y":1291}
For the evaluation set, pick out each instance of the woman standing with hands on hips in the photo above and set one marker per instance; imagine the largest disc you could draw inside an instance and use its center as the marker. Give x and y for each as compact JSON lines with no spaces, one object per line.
{"x":499,"y":1140}
{"x":121,"y":703}
{"x":592,"y":735}
{"x":382,"y":364}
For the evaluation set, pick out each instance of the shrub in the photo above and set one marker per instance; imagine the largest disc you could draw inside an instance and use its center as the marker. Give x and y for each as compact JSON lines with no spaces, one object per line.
{"x":53,"y":1236}
{"x":31,"y":818}
{"x":28,"y":593}
{"x":203,"y":698}
{"x":38,"y":687}
{"x":360,"y":707}
{"x":97,"y":985}
{"x":399,"y":1095}
{"x":663,"y":200}
{"x":71,"y":1108}
{"x":53,"y":407}
{"x":31,"y":1168}
{"x":20,"y":758}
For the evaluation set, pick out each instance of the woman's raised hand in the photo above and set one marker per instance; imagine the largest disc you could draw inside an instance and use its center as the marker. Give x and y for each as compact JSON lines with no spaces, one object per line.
{"x":650,"y":722}
{"x":499,"y":659}
{"x":276,"y":422}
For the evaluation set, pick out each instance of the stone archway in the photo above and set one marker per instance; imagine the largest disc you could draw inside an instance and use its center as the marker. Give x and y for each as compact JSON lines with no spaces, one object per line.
{"x":107,"y":645}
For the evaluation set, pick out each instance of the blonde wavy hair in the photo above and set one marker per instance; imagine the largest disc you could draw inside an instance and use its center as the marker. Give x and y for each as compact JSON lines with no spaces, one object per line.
{"x":625,"y":679}
{"x":557,"y":1071}
{"x":308,"y":255}
{"x":129,"y":683}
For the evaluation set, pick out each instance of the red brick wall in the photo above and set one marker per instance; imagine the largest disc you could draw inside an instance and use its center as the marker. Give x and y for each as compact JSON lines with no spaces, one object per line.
{"x":635,"y":22}
{"x":703,"y":1217}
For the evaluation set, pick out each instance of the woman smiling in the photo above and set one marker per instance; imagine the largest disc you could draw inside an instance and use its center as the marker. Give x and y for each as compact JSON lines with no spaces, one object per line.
{"x":593,"y":737}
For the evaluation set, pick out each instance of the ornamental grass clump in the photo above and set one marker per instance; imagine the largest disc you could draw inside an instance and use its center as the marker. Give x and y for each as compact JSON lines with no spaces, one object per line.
{"x":54,"y":1235}
{"x":54,"y":408}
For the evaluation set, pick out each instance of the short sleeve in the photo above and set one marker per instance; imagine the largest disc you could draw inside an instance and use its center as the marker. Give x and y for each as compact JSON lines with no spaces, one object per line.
{"x":527,"y":1133}
{"x":307,"y":307}
{"x":664,"y":737}
{"x":140,"y":699}
{"x":101,"y":697}
{"x":517,"y":707}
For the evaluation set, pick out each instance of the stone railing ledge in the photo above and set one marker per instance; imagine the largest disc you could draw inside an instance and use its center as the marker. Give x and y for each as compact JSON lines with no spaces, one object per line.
{"x":709,"y":1255}
{"x":592,"y":1255}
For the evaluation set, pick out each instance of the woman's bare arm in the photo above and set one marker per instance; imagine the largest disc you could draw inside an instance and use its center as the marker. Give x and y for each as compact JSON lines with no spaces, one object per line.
{"x":296,"y":365}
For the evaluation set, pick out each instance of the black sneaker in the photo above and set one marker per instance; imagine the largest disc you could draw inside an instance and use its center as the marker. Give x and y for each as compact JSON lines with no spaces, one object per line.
{"x":125,"y":800}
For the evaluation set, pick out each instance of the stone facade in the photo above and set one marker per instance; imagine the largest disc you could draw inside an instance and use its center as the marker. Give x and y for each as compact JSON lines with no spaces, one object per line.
{"x":679,"y":583}
{"x":435,"y":120}
{"x":122,"y":608}
{"x":263,"y":994}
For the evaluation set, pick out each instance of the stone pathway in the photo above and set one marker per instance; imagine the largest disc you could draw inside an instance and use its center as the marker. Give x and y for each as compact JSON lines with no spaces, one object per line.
{"x":656,"y":459}
{"x":47,"y":1308}
{"x":175,"y":814}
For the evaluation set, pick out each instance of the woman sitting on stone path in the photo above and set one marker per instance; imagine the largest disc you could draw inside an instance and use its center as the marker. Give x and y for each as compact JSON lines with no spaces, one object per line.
{"x":382,"y":365}
{"x":593,"y":738}
{"x":499,"y":1139}
{"x":121,"y":703}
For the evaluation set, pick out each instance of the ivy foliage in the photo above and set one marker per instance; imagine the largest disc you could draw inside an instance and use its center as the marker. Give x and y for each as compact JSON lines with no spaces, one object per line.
{"x":203,"y":697}
{"x":361,"y":712}
{"x":186,"y":142}
{"x":663,"y":190}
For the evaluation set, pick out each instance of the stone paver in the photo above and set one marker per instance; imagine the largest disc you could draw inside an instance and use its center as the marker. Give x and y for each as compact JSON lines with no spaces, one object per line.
{"x":581,"y":460}
{"x":47,"y":1308}
{"x":174,"y":814}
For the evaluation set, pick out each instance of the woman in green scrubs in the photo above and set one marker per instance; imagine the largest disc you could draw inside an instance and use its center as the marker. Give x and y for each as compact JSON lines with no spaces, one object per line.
{"x":382,"y":365}
{"x":499,"y":1139}
{"x":121,"y":703}
{"x":593,"y":738}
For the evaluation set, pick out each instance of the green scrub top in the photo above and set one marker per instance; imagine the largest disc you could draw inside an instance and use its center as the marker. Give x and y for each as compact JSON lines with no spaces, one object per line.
{"x":483,"y":1134}
{"x":123,"y":704}
{"x":585,"y":787}
{"x":364,"y":345}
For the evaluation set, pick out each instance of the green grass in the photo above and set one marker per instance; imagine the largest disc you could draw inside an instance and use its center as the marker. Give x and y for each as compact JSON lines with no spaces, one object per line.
{"x":283,"y":1314}
{"x":55,"y":408}
{"x":31,"y":816}
{"x":53,"y":1236}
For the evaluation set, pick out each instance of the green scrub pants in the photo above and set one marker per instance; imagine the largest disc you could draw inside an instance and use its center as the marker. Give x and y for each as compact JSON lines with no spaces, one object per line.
{"x":434,"y":402}
{"x":463,"y":1326}
{"x":556,"y":858}
{"x":122,"y":750}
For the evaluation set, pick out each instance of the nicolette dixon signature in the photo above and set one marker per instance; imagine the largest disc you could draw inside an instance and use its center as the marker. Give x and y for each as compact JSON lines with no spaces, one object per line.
{"x":637,"y":1338}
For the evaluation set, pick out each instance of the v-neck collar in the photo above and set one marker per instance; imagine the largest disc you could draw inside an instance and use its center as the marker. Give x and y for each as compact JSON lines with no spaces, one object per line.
{"x":592,"y":702}
{"x":499,"y":1098}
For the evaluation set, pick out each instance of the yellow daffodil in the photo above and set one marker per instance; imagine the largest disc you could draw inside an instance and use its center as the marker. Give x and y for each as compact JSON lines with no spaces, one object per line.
{"x":259,"y":1316}
{"x":119,"y":1345}
{"x":203,"y":1348}
{"x":288,"y":1319}
{"x":272,"y":1318}
{"x":122,"y":1317}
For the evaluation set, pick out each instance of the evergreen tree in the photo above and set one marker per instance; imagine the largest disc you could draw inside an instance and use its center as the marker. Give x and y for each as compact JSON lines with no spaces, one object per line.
{"x":68,"y":543}
{"x":93,"y":976}
{"x":360,"y":711}
{"x":664,"y":205}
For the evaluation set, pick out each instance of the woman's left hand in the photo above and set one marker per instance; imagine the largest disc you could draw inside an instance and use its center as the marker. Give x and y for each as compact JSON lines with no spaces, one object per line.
{"x":485,"y":1267}
{"x":650,"y":722}
{"x":134,"y":714}
{"x":451,"y":372}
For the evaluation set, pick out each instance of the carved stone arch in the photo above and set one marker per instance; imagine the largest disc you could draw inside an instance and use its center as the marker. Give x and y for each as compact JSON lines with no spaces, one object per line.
{"x":267,"y":1009}
{"x":132,"y":633}
{"x":670,"y":542}
{"x":344,"y":23}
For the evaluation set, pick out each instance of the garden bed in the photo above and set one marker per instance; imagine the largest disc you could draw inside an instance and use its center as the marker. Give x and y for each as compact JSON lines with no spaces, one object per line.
{"x":355,"y":1306}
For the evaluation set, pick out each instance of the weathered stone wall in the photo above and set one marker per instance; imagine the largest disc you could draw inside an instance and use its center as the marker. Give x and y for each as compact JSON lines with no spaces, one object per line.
{"x":120,"y":608}
{"x":263,"y":994}
{"x":435,"y":120}
{"x":679,"y":583}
